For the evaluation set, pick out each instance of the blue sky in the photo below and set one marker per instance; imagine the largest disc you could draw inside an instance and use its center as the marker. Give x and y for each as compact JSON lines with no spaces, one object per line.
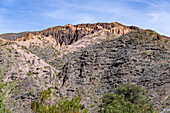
{"x":33,"y":15}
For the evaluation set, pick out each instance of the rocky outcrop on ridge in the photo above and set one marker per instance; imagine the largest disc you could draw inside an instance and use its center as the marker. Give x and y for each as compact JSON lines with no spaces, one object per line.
{"x":71,"y":33}
{"x":68,"y":34}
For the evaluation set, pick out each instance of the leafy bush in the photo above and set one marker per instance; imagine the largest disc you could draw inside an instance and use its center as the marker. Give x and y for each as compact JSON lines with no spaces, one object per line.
{"x":166,"y":41}
{"x":45,"y":94}
{"x":62,"y":106}
{"x":39,"y":38}
{"x":127,"y":98}
{"x":132,"y":92}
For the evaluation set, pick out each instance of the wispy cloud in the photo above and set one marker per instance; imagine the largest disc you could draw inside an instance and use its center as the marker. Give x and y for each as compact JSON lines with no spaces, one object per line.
{"x":40,"y":14}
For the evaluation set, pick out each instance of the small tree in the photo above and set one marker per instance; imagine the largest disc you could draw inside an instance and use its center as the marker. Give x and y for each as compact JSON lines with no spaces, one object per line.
{"x":127,"y":98}
{"x":132,"y":92}
{"x":62,"y":106}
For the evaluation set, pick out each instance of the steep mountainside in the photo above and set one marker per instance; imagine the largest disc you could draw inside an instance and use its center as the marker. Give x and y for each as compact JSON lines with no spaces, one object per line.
{"x":89,"y":60}
{"x":25,"y":74}
{"x":138,"y":57}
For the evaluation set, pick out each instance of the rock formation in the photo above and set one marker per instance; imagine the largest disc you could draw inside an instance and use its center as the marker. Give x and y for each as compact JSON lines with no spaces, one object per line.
{"x":68,"y":34}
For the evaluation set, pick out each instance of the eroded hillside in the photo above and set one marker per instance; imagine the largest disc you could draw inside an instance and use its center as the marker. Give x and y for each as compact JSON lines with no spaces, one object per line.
{"x":26,"y":73}
{"x":138,"y":57}
{"x":89,"y":60}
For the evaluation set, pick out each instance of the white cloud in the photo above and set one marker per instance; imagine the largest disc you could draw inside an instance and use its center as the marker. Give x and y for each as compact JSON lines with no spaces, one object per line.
{"x":160,"y":22}
{"x":152,"y":16}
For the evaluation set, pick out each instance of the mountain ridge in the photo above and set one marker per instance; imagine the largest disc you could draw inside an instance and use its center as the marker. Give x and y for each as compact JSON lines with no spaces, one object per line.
{"x":71,"y":33}
{"x":90,"y":66}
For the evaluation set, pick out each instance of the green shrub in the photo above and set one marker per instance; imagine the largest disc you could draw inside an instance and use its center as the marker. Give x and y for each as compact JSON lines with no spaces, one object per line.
{"x":9,"y":50}
{"x":10,"y":56}
{"x":20,"y":70}
{"x":45,"y":94}
{"x":131,"y":92}
{"x":58,"y":53}
{"x":24,"y":47}
{"x":145,"y":53}
{"x":139,"y":35}
{"x":127,"y":98}
{"x":29,"y":73}
{"x":62,"y":106}
{"x":56,"y":73}
{"x":39,"y":38}
{"x":151,"y":33}
{"x":92,"y":105}
{"x":45,"y":67}
{"x":113,"y":36}
{"x":166,"y":41}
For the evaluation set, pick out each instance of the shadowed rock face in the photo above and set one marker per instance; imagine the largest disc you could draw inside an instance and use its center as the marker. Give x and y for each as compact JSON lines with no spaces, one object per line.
{"x":71,"y":33}
{"x":68,"y":34}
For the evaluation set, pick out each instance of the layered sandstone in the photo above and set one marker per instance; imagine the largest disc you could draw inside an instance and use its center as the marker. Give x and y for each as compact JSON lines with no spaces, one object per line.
{"x":68,"y":34}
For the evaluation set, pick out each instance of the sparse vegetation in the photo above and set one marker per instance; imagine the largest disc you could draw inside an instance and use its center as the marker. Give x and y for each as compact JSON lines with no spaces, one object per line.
{"x":9,"y":56}
{"x":9,"y":50}
{"x":151,"y":33}
{"x":24,"y":47}
{"x":20,"y":70}
{"x":113,"y":36}
{"x":56,"y":73}
{"x":58,"y":53}
{"x":4,"y":87}
{"x":166,"y":41}
{"x":29,"y":73}
{"x":45,"y":67}
{"x":139,"y":35}
{"x":39,"y":38}
{"x":92,"y":105}
{"x":145,"y":53}
{"x":2,"y":98}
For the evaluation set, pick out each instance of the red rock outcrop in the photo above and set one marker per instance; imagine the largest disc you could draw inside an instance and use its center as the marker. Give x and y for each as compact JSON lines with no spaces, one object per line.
{"x":68,"y":34}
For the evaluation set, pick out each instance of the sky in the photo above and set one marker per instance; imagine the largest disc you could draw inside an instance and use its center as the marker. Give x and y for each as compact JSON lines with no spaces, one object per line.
{"x":34,"y":15}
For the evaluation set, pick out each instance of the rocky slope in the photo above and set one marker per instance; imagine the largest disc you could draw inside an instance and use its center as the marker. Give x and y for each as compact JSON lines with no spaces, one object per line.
{"x":93,"y":60}
{"x":141,"y":57}
{"x":25,"y":73}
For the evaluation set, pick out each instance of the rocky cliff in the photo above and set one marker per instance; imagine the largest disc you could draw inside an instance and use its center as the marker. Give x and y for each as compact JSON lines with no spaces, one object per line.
{"x":68,"y":34}
{"x":71,"y":33}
